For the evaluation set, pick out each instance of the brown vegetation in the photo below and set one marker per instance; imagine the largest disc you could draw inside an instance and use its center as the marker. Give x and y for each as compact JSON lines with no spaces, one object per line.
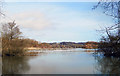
{"x":11,"y":43}
{"x":91,"y":45}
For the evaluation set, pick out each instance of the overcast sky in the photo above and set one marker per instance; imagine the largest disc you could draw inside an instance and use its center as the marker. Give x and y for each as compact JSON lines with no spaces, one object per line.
{"x":57,"y":21}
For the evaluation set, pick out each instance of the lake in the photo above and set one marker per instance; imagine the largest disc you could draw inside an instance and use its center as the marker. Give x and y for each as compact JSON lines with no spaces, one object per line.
{"x":72,"y":61}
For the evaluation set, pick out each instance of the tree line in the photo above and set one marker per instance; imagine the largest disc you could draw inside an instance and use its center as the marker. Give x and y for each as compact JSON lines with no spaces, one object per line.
{"x":13,"y":43}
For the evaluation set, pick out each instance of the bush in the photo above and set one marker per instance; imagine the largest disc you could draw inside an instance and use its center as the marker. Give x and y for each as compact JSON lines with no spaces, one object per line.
{"x":13,"y":47}
{"x":110,"y":46}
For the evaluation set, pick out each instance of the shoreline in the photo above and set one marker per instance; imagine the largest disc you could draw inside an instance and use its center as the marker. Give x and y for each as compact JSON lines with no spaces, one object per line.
{"x":37,"y":48}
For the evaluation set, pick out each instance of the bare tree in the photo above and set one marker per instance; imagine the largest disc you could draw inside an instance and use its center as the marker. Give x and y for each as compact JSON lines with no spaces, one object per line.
{"x":110,"y":43}
{"x":11,"y":42}
{"x":10,"y":31}
{"x":111,"y":8}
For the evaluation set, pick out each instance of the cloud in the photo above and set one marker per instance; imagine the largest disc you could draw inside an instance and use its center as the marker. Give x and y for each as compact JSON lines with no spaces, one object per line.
{"x":32,"y":20}
{"x":57,"y":17}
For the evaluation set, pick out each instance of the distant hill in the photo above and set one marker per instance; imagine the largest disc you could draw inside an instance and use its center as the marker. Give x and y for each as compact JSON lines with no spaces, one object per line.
{"x":87,"y":45}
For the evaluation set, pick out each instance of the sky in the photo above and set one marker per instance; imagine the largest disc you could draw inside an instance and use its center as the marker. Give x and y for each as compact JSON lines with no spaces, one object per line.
{"x":59,"y":0}
{"x":51,"y":0}
{"x":57,"y":21}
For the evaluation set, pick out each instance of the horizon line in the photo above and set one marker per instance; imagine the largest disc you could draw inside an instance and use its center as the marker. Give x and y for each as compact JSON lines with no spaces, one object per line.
{"x":66,"y":41}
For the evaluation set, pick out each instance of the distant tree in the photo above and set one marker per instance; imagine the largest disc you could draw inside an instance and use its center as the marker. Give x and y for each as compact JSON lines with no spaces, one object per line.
{"x":30,"y":42}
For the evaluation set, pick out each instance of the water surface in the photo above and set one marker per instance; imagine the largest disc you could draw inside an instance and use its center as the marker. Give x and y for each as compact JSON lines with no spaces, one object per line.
{"x":72,"y":61}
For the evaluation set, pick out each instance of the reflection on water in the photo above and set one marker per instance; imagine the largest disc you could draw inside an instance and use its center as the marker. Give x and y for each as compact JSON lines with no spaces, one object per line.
{"x":108,"y":65}
{"x":61,"y":62}
{"x":15,"y":65}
